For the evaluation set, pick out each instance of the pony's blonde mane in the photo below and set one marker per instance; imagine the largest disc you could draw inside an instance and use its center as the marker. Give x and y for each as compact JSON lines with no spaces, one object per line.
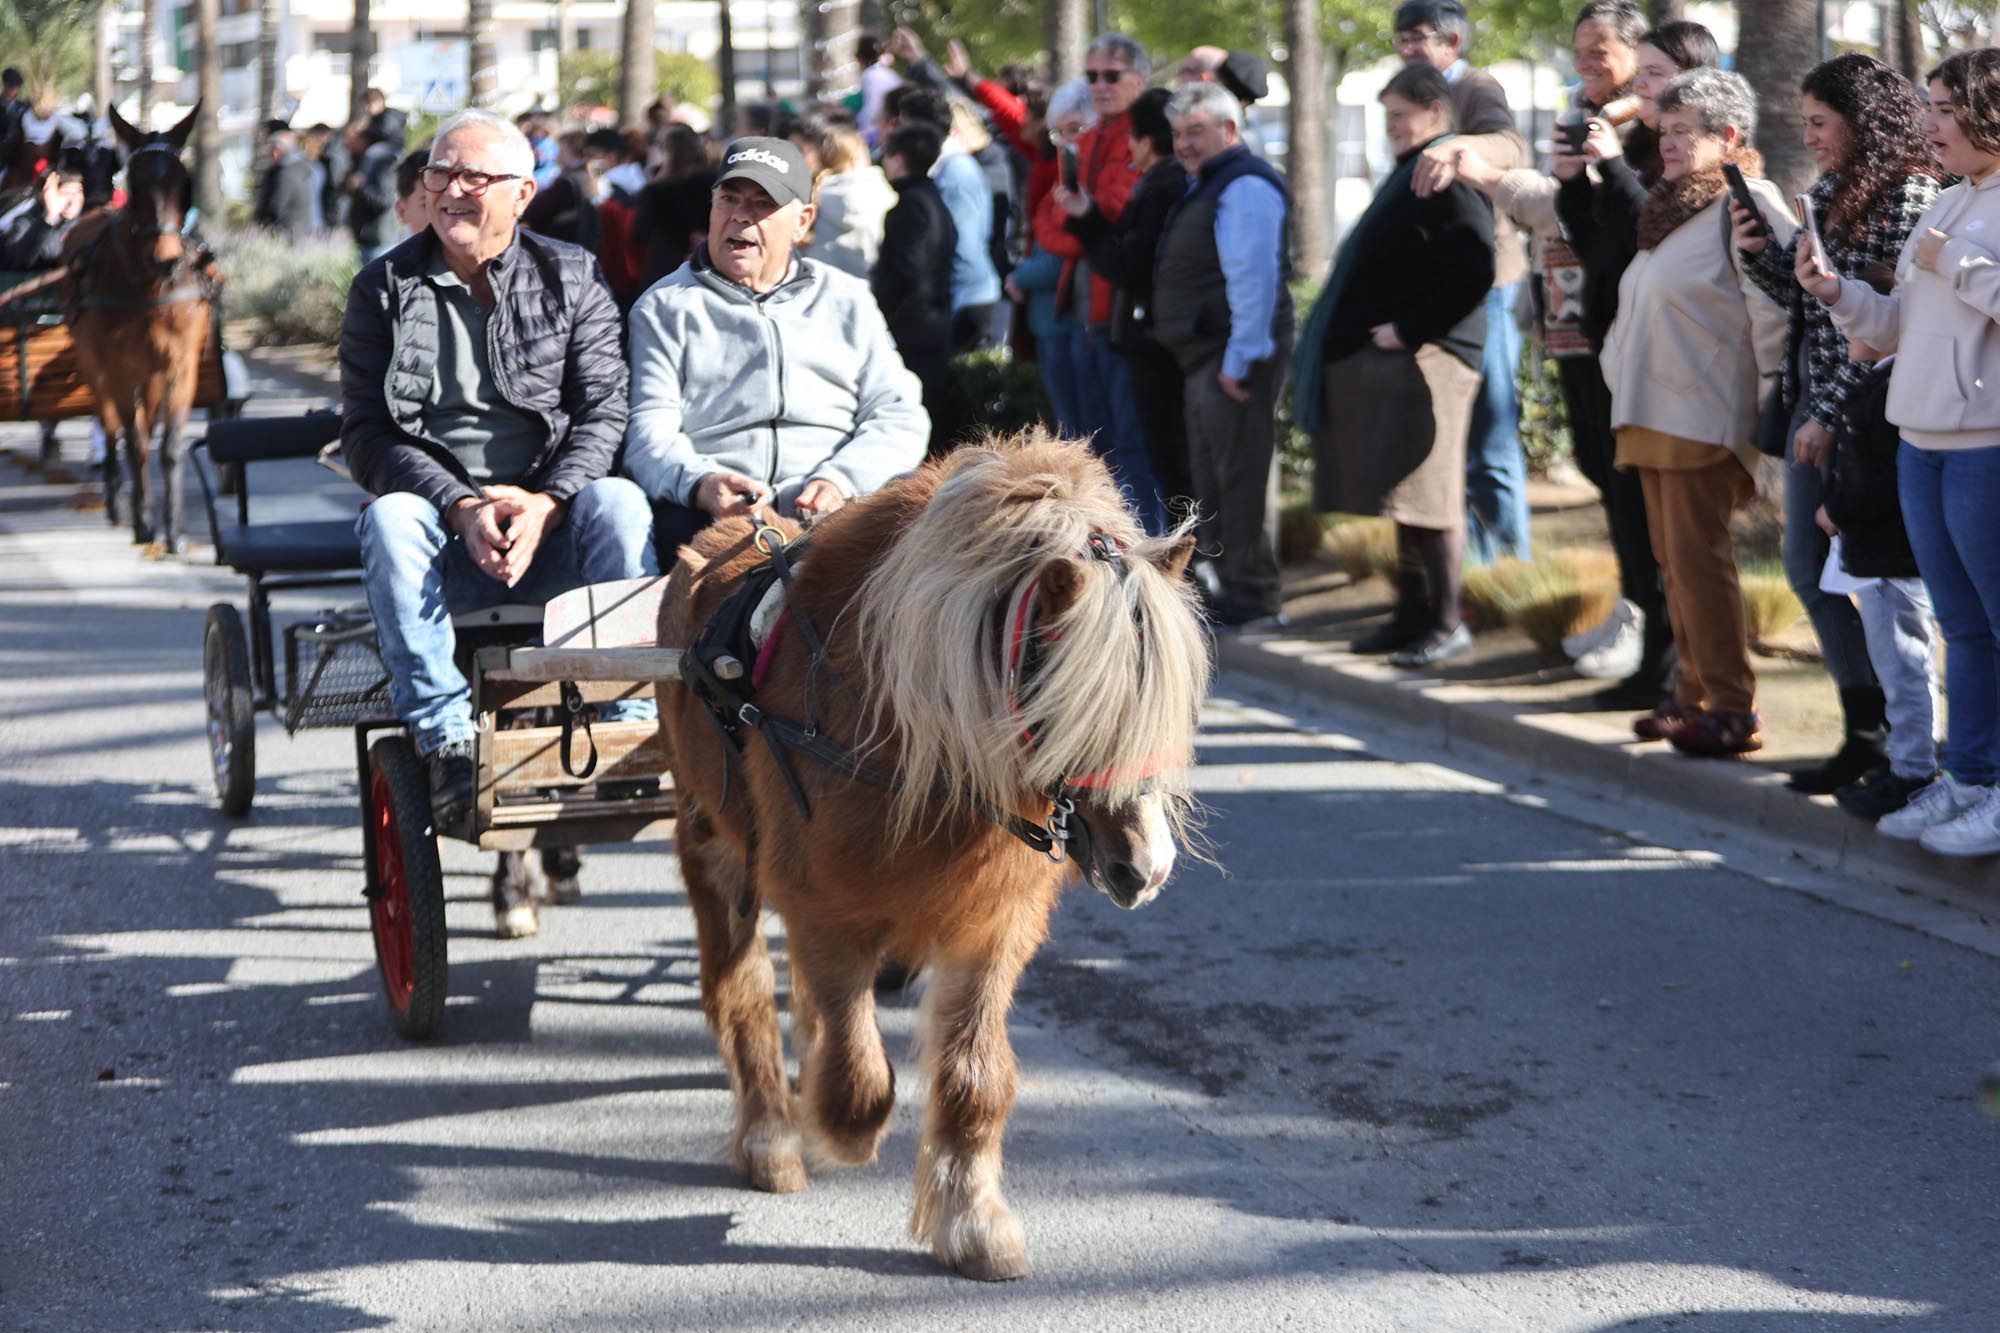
{"x":1123,"y":669}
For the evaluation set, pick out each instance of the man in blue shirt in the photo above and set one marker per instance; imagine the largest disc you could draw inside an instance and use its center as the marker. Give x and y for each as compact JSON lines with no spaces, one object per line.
{"x":1221,"y":306}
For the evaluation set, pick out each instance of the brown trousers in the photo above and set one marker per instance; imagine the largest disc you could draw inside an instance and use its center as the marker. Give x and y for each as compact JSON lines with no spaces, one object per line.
{"x":1688,"y":513}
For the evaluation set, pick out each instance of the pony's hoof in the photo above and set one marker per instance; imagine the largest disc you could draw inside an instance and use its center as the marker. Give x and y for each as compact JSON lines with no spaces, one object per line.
{"x":562,"y":891}
{"x":986,"y":1243}
{"x":152,"y":550}
{"x":516,"y":923}
{"x":773,"y":1161}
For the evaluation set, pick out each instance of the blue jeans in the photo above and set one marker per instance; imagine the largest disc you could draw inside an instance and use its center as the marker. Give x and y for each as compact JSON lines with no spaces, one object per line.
{"x":1056,"y":358}
{"x":1842,"y":641}
{"x":1118,"y":433}
{"x":1950,"y":497}
{"x":417,"y":574}
{"x":1496,"y":472}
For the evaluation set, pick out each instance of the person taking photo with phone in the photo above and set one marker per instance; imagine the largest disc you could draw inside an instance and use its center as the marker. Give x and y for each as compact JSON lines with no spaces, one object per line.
{"x":1878,"y":175}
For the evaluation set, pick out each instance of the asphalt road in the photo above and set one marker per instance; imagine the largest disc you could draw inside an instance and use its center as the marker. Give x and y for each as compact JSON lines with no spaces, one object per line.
{"x":1440,"y":1050}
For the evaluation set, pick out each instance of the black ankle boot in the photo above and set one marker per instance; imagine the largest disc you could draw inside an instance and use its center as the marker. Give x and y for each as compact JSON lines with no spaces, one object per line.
{"x":1859,"y":753}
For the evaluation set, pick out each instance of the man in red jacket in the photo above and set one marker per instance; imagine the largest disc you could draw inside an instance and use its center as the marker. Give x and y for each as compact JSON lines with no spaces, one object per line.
{"x":1117,"y":68}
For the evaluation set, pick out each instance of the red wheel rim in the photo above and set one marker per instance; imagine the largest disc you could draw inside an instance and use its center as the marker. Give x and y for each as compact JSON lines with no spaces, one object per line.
{"x":389,"y":913}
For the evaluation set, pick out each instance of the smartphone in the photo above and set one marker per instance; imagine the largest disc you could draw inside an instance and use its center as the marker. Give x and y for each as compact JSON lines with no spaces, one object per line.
{"x":1069,"y":169}
{"x":1739,"y":190}
{"x":1809,"y":223}
{"x":1575,"y":133}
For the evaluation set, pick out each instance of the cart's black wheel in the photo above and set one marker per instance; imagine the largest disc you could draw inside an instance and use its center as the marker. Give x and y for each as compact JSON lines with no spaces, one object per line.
{"x":232,"y":709}
{"x":408,"y":913}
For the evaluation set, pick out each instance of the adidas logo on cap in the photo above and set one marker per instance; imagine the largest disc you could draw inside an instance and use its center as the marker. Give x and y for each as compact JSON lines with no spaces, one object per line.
{"x":769,"y":159}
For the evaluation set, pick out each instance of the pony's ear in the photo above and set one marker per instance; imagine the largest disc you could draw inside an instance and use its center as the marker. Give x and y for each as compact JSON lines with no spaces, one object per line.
{"x":1173,"y":561}
{"x":177,"y":137}
{"x":1056,"y":591}
{"x":122,"y":127}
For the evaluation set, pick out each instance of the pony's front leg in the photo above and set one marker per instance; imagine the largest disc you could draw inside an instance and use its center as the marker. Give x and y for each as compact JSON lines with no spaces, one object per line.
{"x":846,"y":1085}
{"x":960,"y":1211}
{"x":137,"y":443}
{"x":173,"y":529}
{"x":739,"y":998}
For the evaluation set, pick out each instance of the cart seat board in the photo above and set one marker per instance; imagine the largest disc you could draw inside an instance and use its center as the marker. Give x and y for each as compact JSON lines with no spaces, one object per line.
{"x":620,"y":614}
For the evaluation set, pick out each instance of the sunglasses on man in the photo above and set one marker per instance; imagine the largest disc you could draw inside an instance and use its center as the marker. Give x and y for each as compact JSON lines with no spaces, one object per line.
{"x":1105,"y":75}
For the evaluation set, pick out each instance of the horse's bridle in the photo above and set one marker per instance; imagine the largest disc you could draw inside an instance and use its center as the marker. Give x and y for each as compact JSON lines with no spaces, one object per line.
{"x":164,"y":275}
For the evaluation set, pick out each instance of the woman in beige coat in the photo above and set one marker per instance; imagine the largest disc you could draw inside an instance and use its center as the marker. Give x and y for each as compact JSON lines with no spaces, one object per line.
{"x":1685,"y":361}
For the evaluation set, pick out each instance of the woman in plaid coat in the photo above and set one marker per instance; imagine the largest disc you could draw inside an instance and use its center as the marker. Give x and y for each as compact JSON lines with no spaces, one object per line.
{"x":1864,"y":127}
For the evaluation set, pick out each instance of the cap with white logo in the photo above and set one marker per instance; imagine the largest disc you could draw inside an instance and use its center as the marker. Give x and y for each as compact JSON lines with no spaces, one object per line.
{"x":776,"y":165}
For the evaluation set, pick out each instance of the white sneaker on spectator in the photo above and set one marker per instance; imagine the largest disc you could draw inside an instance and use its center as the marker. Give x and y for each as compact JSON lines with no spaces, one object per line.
{"x":1940,"y":803}
{"x":1621,"y":656}
{"x":1603,"y":632}
{"x":1974,"y":833}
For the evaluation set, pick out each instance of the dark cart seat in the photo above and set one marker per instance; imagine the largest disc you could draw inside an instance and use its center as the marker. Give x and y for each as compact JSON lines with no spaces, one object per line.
{"x":288,"y":548}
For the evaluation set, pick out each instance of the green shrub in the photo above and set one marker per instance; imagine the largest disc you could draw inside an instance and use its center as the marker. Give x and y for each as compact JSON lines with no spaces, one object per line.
{"x":1544,"y":598}
{"x":1362,"y":548}
{"x":295,"y":291}
{"x":1301,"y":532}
{"x":998,"y":393}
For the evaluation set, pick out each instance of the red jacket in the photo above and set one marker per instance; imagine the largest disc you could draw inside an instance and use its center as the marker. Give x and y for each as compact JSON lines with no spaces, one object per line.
{"x":1106,"y":174}
{"x":621,"y":260}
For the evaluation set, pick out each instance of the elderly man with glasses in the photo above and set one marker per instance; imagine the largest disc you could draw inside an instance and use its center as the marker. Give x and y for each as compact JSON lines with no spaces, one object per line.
{"x":483,"y":391}
{"x":762,"y":379}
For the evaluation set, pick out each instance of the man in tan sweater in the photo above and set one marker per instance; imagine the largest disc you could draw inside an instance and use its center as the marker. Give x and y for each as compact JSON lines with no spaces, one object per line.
{"x":1437,"y":33}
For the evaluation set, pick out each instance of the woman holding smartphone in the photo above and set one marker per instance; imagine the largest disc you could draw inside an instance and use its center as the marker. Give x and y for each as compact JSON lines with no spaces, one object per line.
{"x":1940,"y":322}
{"x":1878,"y":173}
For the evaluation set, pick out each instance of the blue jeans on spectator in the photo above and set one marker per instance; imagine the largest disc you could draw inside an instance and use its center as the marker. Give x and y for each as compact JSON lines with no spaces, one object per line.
{"x":1496,"y":471}
{"x":417,"y":574}
{"x":1950,"y":497}
{"x":1835,"y":621}
{"x":1056,"y":358}
{"x":1118,"y":434}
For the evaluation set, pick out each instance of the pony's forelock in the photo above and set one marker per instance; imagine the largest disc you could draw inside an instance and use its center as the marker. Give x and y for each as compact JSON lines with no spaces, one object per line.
{"x":1122,"y":670}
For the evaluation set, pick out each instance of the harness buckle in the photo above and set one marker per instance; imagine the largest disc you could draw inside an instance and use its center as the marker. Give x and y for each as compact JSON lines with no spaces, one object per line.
{"x":750,"y":715}
{"x":1058,"y":829}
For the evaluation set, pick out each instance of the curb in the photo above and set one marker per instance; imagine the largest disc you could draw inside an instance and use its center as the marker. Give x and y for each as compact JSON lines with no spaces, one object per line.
{"x":1582,"y":748}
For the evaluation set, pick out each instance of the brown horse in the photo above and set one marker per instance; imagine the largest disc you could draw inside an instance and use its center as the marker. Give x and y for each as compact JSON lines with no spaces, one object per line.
{"x":1002,"y":637}
{"x":140,"y":317}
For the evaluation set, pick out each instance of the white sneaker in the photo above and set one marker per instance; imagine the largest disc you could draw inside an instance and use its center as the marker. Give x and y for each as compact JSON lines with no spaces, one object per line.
{"x":1603,"y":632}
{"x":1939,"y":803}
{"x":1621,"y":656}
{"x":1974,"y":833}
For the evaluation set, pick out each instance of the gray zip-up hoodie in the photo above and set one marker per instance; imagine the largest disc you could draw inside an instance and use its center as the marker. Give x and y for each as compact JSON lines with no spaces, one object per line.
{"x":799,"y":384}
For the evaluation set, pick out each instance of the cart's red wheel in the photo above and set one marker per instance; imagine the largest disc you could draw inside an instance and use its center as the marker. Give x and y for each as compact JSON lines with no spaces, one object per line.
{"x":407,"y":914}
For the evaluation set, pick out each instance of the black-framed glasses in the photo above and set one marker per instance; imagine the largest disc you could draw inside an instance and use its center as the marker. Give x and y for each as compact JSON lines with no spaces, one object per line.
{"x":1104,"y":75}
{"x":474,"y":183}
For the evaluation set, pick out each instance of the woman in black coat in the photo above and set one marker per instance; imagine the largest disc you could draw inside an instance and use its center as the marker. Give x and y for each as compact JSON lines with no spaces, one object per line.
{"x":912,"y":277}
{"x":1123,"y":253}
{"x":1387,"y":371}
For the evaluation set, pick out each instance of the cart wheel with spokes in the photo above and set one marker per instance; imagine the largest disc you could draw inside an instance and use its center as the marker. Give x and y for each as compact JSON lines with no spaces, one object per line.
{"x":232,"y":709}
{"x":407,"y":912}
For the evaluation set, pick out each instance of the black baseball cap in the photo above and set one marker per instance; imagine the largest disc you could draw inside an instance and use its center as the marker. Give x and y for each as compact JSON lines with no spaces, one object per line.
{"x":11,"y":78}
{"x":775,"y":165}
{"x":1244,"y":75}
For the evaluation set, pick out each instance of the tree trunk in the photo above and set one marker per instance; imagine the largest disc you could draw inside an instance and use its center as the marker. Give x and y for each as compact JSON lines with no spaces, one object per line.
{"x":149,"y":36}
{"x":1906,"y":39}
{"x":638,"y":66}
{"x":208,"y":109}
{"x":1065,"y":30}
{"x":1667,"y":11}
{"x":1305,"y":158}
{"x":482,"y":75}
{"x":1787,"y":45}
{"x":725,"y":68}
{"x":361,"y":54}
{"x":103,"y":91}
{"x":268,"y":73}
{"x":830,"y":30}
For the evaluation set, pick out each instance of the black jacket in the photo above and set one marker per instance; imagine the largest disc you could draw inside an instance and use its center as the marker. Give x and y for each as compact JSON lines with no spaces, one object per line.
{"x":1123,"y":252}
{"x":284,"y":195}
{"x":1602,"y":221}
{"x":912,"y":277}
{"x":31,"y":241}
{"x":1861,"y":494}
{"x":371,"y":206}
{"x":558,"y":352}
{"x":1423,"y":265}
{"x":671,"y":213}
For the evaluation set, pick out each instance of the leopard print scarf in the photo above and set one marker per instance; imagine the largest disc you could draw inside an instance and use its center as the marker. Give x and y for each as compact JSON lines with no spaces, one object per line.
{"x":1671,"y":203}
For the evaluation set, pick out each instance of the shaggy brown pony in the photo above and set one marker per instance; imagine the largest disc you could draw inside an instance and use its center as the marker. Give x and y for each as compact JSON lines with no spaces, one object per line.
{"x":998,"y":628}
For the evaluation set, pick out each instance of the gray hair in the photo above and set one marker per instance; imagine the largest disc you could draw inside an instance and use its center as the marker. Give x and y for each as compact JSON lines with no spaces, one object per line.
{"x":1718,"y":98}
{"x":1072,"y":98}
{"x":1220,"y":104}
{"x":1125,"y":50}
{"x":517,"y":152}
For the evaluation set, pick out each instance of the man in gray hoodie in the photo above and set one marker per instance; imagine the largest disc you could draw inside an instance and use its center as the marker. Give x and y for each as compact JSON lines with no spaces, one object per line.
{"x":760,"y":377}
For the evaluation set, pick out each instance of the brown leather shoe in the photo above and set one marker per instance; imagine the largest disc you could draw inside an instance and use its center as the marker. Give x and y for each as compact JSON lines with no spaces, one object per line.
{"x":1720,"y":735}
{"x":1664,"y":722}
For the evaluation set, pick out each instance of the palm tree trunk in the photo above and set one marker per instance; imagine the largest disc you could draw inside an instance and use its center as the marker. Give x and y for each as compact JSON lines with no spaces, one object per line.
{"x":482,"y":81}
{"x":1667,"y":11}
{"x":639,"y":66}
{"x":361,"y":54}
{"x":1907,"y":39}
{"x":208,"y":109}
{"x":725,"y":68}
{"x":1787,"y":45}
{"x":102,"y":89}
{"x":1305,"y":158}
{"x":1065,"y":30}
{"x":267,"y":58}
{"x":149,"y":36}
